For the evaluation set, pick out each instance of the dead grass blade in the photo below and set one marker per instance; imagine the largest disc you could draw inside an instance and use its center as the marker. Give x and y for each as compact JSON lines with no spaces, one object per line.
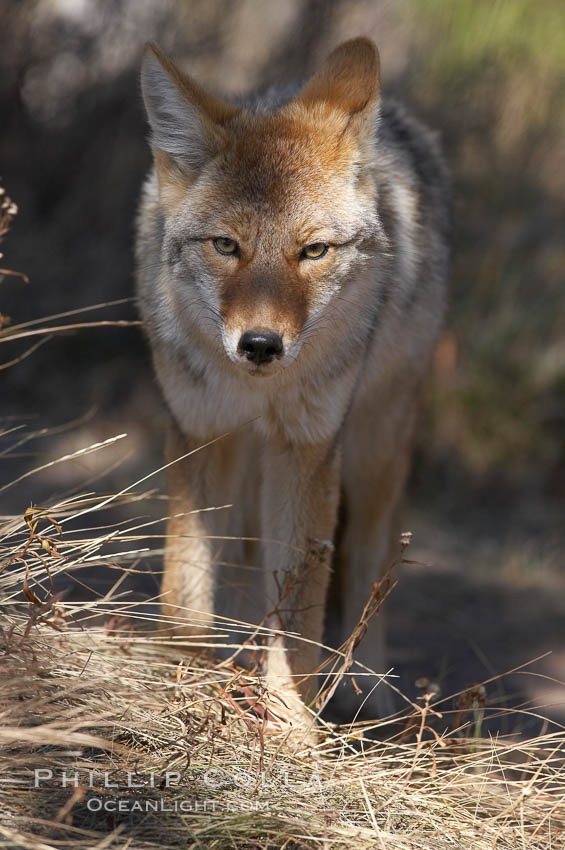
{"x":113,"y":736}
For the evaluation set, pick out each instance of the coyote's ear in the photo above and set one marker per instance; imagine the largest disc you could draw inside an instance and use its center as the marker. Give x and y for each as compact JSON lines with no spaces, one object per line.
{"x":348,"y":80}
{"x":186,"y":121}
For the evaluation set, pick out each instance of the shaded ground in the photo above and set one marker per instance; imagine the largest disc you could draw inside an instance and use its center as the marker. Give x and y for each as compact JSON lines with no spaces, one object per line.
{"x":476,"y":613}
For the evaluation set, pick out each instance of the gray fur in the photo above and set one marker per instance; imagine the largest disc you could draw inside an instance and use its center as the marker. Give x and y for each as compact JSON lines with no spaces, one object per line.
{"x":176,"y":127}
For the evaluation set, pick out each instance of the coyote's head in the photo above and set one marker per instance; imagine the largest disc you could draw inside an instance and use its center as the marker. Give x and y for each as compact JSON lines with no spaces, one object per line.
{"x":266,"y":213}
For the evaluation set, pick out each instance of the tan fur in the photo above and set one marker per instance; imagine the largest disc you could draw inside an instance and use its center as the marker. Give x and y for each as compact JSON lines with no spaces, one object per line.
{"x":173,"y":183}
{"x":335,"y":413}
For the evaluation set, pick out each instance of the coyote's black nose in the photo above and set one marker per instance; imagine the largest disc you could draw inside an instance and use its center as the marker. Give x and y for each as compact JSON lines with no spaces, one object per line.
{"x":260,"y":346}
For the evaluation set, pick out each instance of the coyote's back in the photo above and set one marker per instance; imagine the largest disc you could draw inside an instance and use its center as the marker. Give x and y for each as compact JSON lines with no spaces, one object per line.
{"x":292,"y":258}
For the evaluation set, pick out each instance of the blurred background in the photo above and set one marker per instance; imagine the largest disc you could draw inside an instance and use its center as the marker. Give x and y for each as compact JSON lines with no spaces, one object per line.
{"x":487,"y":493}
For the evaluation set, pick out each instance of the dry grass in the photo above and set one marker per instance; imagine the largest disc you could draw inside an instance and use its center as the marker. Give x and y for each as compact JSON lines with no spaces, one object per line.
{"x":91,"y":691}
{"x":113,"y":736}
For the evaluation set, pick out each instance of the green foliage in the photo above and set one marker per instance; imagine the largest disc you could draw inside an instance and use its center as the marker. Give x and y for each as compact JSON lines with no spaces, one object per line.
{"x":492,"y":75}
{"x":469,"y":32}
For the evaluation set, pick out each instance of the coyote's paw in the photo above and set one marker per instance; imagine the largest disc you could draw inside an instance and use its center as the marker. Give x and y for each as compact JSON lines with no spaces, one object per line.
{"x":281,"y":715}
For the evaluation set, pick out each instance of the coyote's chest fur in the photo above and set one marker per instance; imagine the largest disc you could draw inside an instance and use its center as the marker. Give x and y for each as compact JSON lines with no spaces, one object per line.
{"x":291,"y":271}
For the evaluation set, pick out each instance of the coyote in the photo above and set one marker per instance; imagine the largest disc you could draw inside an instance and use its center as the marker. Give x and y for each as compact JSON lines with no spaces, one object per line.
{"x":291,"y":261}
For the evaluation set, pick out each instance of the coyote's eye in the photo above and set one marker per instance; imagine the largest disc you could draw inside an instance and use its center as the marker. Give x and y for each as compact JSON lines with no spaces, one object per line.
{"x":225,"y":245}
{"x":314,"y":251}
